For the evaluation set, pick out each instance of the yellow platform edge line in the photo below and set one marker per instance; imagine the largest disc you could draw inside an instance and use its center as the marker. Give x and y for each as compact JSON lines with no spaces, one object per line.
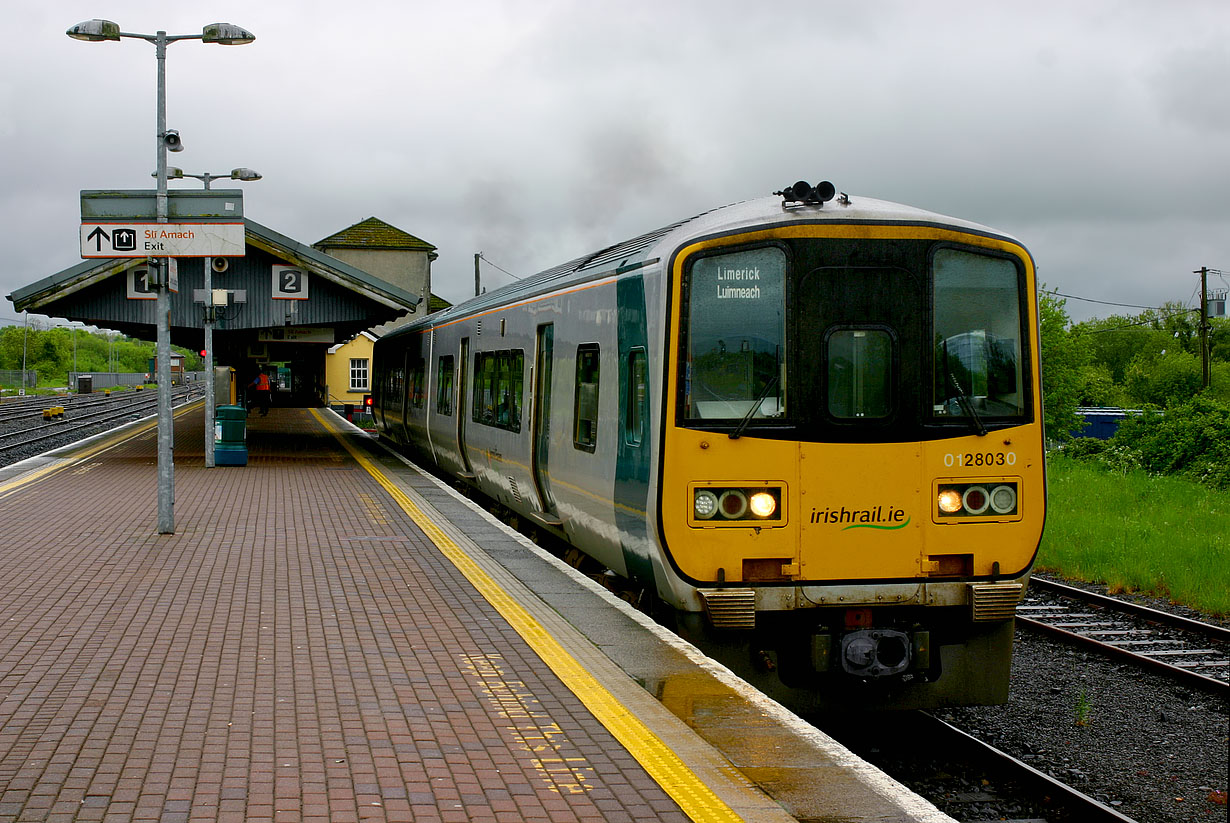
{"x":696,"y":799}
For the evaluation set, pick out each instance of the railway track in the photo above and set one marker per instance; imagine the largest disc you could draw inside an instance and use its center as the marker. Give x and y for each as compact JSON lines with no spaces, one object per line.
{"x":1195,"y":653}
{"x":82,"y":419}
{"x":17,"y":411}
{"x":964,"y":777}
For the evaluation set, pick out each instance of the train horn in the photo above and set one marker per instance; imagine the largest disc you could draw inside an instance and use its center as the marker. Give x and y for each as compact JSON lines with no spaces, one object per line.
{"x":804,"y":192}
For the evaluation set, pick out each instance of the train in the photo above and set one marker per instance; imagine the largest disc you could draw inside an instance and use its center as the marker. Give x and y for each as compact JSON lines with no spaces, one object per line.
{"x":806,"y":428}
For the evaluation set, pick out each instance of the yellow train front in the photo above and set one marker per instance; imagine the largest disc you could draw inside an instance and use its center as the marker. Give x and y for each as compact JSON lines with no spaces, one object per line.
{"x":852,"y":469}
{"x":806,"y":427}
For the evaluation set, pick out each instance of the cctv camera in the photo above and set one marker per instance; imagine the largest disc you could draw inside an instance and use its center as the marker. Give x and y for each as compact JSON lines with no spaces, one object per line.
{"x":171,"y":140}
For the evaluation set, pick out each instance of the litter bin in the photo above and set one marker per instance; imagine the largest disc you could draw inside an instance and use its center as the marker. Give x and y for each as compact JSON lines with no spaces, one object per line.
{"x":85,"y":383}
{"x":230,"y":436}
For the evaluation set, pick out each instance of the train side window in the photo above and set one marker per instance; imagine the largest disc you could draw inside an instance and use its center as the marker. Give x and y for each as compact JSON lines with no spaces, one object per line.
{"x":444,"y":386}
{"x":585,"y":405}
{"x":416,"y":384}
{"x":638,"y":397}
{"x":498,"y":382}
{"x":860,"y":373}
{"x":484,"y":388}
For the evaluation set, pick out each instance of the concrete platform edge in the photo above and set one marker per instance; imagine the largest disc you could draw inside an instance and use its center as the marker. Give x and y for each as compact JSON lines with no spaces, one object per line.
{"x":706,"y":760}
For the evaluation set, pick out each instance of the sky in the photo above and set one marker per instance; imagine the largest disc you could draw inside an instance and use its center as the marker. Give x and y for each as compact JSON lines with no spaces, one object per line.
{"x":1096,"y":132}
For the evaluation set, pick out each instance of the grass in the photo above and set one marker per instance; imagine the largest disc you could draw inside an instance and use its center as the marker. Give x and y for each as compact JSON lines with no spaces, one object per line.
{"x":1162,"y":536}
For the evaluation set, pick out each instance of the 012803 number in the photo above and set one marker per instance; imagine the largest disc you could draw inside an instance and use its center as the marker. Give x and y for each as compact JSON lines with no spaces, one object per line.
{"x":980,"y":459}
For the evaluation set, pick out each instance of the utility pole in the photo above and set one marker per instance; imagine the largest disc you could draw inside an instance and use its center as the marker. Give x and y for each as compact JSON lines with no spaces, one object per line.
{"x":1204,"y":322}
{"x":477,"y":256}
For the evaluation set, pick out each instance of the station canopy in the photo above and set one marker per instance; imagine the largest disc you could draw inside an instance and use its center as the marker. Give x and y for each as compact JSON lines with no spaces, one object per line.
{"x":281,"y":289}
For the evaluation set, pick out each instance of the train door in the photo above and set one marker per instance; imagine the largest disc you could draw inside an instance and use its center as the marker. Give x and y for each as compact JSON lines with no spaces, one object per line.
{"x":463,"y":377}
{"x":542,"y":417}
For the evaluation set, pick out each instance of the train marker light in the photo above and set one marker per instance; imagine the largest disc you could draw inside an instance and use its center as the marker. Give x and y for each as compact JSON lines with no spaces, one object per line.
{"x":762,"y":504}
{"x":733,"y":504}
{"x":1003,"y":499}
{"x":975,"y":500}
{"x":950,"y":501}
{"x":705,"y":504}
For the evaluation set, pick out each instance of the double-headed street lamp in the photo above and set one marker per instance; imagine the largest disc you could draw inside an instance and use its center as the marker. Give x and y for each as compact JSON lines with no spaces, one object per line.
{"x":210,"y":307}
{"x":224,"y":34}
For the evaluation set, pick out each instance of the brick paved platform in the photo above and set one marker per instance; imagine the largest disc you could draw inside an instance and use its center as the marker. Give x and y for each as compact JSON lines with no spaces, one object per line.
{"x":301,"y":650}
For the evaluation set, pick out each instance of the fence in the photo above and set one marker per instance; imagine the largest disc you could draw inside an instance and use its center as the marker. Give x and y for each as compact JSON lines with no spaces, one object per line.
{"x":111,"y":380}
{"x":12,"y":377}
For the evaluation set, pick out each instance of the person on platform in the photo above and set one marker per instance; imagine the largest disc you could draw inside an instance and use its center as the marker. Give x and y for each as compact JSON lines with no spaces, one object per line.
{"x":261,"y":386}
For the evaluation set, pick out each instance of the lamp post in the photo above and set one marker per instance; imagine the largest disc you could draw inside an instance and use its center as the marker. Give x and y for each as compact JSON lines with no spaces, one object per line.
{"x":210,"y":308}
{"x":226,"y":34}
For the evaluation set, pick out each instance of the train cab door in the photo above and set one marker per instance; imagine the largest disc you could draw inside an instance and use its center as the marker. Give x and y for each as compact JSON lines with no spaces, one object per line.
{"x":545,"y":349}
{"x":463,"y":379}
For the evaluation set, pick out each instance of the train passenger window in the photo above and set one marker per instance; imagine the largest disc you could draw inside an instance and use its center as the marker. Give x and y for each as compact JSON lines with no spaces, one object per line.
{"x":638,"y":397}
{"x":977,"y":336}
{"x":417,"y":389}
{"x":585,"y":406}
{"x":860,"y":364}
{"x":444,"y":386}
{"x":734,"y":358}
{"x":498,"y":382}
{"x":394,"y":383}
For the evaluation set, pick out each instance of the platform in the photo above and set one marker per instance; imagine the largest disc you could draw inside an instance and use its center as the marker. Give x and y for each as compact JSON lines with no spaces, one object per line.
{"x":332,"y":635}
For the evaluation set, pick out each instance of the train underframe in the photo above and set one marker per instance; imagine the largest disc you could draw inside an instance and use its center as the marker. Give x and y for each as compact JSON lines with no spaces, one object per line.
{"x":825,"y":659}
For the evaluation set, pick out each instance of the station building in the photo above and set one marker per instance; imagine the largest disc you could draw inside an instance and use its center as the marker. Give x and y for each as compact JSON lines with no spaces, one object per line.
{"x":292,"y":309}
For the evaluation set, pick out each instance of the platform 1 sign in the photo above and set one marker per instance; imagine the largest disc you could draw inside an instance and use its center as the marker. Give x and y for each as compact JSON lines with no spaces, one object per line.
{"x":162,"y":240}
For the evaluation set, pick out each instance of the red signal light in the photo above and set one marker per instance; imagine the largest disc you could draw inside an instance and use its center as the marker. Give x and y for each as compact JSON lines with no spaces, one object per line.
{"x":367,"y":401}
{"x":202,"y":352}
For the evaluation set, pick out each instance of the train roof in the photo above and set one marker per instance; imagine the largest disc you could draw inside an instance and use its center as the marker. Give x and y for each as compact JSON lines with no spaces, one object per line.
{"x":630,"y":254}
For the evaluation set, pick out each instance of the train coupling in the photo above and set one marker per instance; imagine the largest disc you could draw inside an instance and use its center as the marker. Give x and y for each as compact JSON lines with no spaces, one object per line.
{"x":872,"y":652}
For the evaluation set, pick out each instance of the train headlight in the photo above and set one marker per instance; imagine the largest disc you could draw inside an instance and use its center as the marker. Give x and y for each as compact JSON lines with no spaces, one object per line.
{"x":1003,"y":499}
{"x":950,"y":501}
{"x":762,"y":504}
{"x":705,"y":504}
{"x":733,"y":504}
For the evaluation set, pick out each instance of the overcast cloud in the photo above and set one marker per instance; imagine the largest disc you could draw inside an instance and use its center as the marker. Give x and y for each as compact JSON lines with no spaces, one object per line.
{"x":1096,"y":132}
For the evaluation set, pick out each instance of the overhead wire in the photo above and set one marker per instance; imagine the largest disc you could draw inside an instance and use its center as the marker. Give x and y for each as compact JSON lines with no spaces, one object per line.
{"x":506,"y":271}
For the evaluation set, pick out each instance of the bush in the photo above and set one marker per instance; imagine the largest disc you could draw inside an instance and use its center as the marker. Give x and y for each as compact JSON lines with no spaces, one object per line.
{"x":1085,"y":448}
{"x":1191,"y":438}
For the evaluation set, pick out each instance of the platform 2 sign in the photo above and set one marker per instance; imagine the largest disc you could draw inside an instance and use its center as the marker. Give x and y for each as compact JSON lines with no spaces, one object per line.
{"x":162,"y":240}
{"x":289,"y":283}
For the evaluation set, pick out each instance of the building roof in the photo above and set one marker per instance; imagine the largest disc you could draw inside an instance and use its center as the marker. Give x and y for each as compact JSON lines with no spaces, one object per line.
{"x":49,"y":289}
{"x":374,"y":233}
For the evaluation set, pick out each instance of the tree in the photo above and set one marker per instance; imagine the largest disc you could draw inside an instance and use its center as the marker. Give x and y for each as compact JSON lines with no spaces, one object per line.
{"x":1171,"y":378}
{"x":1064,"y":357}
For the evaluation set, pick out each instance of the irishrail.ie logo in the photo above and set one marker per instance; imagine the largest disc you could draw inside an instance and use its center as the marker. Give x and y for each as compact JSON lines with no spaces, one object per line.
{"x":886,"y":518}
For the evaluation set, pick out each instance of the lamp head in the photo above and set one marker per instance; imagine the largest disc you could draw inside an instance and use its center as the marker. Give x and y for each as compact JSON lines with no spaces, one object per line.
{"x":226,"y":34}
{"x":94,"y":31}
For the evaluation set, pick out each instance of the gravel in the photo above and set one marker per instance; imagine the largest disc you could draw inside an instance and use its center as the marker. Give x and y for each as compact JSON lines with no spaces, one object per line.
{"x":1154,"y":751}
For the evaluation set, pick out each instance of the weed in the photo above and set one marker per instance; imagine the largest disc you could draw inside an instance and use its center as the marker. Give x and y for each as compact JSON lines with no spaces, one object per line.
{"x":1083,"y":709}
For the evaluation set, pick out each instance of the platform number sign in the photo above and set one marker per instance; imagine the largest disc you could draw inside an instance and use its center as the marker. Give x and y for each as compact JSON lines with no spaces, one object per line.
{"x":289,"y":283}
{"x":139,"y":287}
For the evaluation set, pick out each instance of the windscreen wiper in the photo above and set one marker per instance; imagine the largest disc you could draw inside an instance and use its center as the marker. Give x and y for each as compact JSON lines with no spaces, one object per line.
{"x":747,"y":418}
{"x":963,"y":399}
